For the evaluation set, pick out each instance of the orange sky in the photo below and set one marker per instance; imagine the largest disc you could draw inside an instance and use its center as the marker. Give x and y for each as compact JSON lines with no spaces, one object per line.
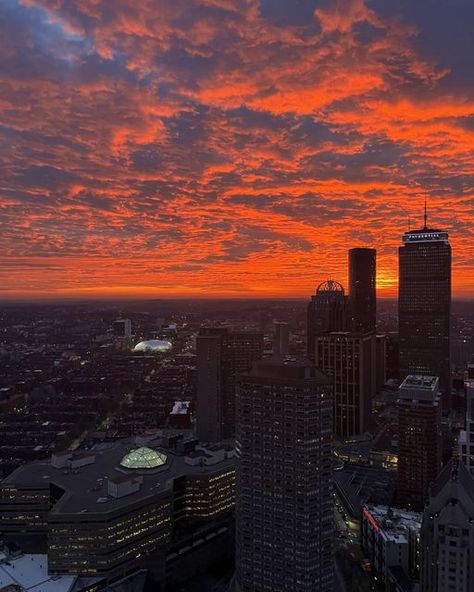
{"x":229,"y":147}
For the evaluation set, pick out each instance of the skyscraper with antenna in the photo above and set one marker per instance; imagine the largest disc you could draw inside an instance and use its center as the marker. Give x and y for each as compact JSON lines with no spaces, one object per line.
{"x":424,"y":304}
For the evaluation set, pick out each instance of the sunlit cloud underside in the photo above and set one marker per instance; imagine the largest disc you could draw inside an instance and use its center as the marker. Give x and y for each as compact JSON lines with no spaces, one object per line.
{"x":229,"y":147}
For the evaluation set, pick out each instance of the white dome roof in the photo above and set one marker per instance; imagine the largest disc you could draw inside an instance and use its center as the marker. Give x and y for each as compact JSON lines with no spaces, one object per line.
{"x":153,"y":345}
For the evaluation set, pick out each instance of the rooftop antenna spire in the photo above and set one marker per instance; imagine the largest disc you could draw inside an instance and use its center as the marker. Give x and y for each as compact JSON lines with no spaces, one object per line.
{"x":426,"y":216}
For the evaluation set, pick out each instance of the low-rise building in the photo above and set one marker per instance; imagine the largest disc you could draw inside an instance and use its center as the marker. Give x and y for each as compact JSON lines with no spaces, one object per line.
{"x":21,"y":572}
{"x":391,"y":537}
{"x":104,"y":517}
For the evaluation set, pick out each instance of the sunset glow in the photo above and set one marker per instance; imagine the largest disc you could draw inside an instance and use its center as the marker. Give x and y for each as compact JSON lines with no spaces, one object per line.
{"x":232,"y":148}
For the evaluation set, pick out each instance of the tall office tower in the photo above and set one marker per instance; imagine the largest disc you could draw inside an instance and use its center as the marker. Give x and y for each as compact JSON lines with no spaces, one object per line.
{"x":466,"y":437}
{"x":281,"y":338}
{"x":326,"y":312}
{"x":221,"y":355}
{"x":424,"y":305}
{"x":123,"y":328}
{"x":362,"y":298}
{"x":284,"y":529}
{"x":349,"y":360}
{"x":419,"y":433}
{"x":447,"y":532}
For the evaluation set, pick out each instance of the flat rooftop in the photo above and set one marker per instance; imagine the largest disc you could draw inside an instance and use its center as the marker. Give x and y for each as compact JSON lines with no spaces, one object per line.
{"x":30,"y":572}
{"x":395,"y":523}
{"x":181,"y":408}
{"x":420,"y":381}
{"x":86,"y":488}
{"x":286,"y":368}
{"x":419,"y":387}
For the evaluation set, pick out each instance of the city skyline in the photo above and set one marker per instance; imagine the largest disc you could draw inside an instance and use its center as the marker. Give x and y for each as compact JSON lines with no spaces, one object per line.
{"x":229,"y":148}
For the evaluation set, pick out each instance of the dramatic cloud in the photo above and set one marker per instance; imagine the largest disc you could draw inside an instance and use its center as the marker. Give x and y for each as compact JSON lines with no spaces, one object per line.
{"x":229,"y":147}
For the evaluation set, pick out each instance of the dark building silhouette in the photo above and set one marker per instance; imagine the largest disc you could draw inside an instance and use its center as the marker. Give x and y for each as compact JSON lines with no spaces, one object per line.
{"x":284,"y":511}
{"x":362,"y":283}
{"x":326,"y":313}
{"x":221,"y":355}
{"x":281,"y":338}
{"x":122,"y":328}
{"x":419,"y":432}
{"x":349,"y":359}
{"x":447,"y":532}
{"x":424,"y":305}
{"x":342,"y":342}
{"x":470,"y":370}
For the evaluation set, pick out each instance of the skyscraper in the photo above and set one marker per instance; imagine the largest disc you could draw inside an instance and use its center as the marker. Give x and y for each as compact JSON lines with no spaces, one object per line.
{"x":326,"y":313}
{"x":362,"y":283}
{"x":283,"y":498}
{"x":419,"y":432}
{"x":447,"y":532}
{"x":281,"y":338}
{"x":349,"y":360}
{"x":221,"y":355}
{"x":424,"y":305}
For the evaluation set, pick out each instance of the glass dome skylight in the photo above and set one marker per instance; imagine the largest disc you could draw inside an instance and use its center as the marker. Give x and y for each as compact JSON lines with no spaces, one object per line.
{"x":143,"y":458}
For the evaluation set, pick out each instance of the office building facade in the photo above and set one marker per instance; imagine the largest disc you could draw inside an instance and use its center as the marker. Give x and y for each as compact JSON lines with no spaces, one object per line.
{"x":123,"y":328}
{"x":221,"y":355}
{"x":390,"y":537}
{"x":447,"y":532}
{"x":105,"y":517}
{"x":284,"y":532}
{"x":466,"y":437}
{"x":362,"y":295}
{"x":419,"y":432}
{"x":327,"y":312}
{"x":281,"y":338}
{"x":424,"y":305}
{"x":349,"y":360}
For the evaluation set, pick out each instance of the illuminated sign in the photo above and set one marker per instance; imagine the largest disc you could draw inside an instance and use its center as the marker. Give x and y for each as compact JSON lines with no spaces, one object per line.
{"x":370,"y":519}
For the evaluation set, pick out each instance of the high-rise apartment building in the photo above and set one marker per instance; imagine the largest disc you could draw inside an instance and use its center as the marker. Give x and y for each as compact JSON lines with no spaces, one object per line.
{"x":447,"y":532}
{"x":466,"y":437}
{"x":349,"y":360}
{"x":281,"y":338}
{"x":419,"y":432}
{"x":221,"y":355}
{"x":424,"y":305}
{"x":362,"y":283}
{"x":326,"y":313}
{"x":283,"y":499}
